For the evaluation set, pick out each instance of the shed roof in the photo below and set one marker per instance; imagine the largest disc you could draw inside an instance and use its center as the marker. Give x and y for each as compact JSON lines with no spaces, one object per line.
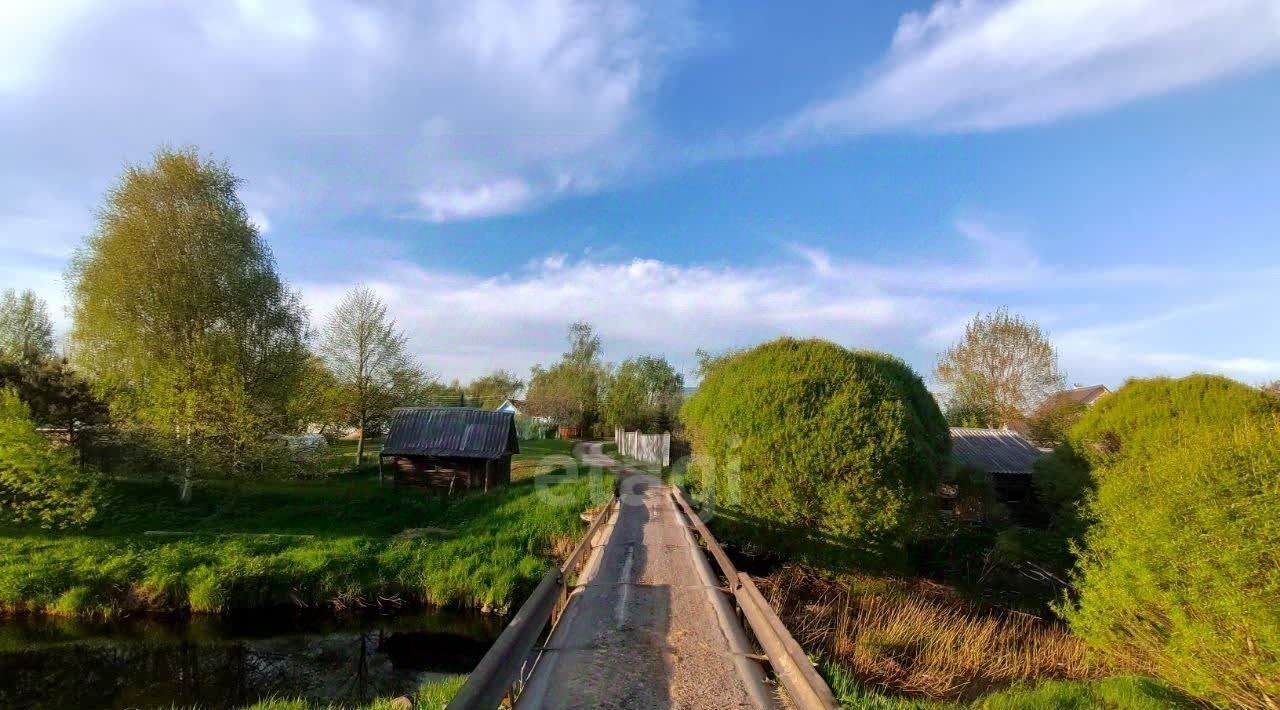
{"x":993,"y":450}
{"x":451,"y":432}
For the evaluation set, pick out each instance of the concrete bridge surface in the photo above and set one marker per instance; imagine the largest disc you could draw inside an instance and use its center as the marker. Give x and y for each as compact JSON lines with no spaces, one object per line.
{"x":646,"y":627}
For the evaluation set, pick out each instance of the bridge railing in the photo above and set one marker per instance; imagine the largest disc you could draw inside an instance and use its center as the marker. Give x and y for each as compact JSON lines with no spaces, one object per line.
{"x":806,"y":689}
{"x":502,"y":670}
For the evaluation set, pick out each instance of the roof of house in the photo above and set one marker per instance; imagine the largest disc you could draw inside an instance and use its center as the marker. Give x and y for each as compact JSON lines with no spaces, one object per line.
{"x":451,"y":432}
{"x":993,"y":450}
{"x":1083,"y":395}
{"x":516,"y":405}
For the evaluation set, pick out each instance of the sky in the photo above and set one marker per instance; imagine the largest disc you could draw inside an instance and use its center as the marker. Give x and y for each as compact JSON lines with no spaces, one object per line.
{"x":691,"y":175}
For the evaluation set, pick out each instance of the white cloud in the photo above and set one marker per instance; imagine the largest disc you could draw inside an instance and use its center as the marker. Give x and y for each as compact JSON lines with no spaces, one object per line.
{"x":440,"y":110}
{"x":462,"y":324}
{"x":988,"y":64}
{"x":452,"y":203}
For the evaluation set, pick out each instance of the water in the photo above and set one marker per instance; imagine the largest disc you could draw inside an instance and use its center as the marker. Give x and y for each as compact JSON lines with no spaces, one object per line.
{"x":234,"y":660}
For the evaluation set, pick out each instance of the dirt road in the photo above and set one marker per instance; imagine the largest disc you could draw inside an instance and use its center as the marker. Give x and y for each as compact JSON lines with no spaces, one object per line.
{"x":646,"y":630}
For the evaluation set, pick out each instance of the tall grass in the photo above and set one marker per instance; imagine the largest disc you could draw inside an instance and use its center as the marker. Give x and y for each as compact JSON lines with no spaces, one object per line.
{"x":921,"y":639}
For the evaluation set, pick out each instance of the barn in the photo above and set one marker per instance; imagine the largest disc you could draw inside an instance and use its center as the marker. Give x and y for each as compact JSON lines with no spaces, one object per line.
{"x":450,"y":448}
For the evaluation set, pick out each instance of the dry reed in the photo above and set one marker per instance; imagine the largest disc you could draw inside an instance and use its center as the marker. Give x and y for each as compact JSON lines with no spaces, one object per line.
{"x":919,"y":638}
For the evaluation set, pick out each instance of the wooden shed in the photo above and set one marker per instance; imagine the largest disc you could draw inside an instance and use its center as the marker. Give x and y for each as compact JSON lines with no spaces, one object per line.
{"x":1006,"y":455}
{"x":450,"y":448}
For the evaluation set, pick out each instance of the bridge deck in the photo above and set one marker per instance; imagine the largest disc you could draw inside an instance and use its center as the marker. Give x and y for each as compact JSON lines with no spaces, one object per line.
{"x":644,"y":630}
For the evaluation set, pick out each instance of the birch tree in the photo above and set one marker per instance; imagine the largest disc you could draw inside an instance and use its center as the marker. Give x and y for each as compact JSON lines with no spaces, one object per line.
{"x":26,"y":331}
{"x":366,"y":353}
{"x":179,"y":315}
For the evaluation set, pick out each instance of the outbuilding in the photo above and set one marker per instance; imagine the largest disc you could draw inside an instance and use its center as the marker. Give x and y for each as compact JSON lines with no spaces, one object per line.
{"x":1006,"y":455}
{"x":450,"y":448}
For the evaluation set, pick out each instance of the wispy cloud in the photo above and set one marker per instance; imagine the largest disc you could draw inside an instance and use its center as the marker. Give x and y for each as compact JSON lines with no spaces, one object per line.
{"x":987,"y":64}
{"x":438,"y":110}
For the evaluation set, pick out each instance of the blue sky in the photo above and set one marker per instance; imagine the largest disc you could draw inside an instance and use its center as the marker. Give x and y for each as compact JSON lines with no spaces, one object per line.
{"x":695,"y":175}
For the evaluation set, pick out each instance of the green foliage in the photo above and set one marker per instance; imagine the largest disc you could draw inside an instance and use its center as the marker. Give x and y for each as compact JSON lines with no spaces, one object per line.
{"x":1002,"y":366}
{"x":434,"y":694}
{"x":1181,"y":568}
{"x":642,"y":394}
{"x":316,"y":543}
{"x":26,"y":331}
{"x":1049,"y":424}
{"x":1138,"y":422}
{"x":532,"y":428}
{"x":491,"y":390}
{"x":1117,"y":693}
{"x":569,"y":391}
{"x":366,"y":354}
{"x":804,"y":435}
{"x":57,"y":396}
{"x":179,"y":314}
{"x":39,"y":484}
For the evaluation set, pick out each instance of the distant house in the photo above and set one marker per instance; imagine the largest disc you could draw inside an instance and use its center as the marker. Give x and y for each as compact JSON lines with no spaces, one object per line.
{"x":1006,"y":455}
{"x":450,"y":448}
{"x":511,"y":405}
{"x":1087,"y":396}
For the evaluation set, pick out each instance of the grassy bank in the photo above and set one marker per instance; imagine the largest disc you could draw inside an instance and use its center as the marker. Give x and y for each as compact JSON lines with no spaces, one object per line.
{"x":433,"y":695}
{"x":336,"y":542}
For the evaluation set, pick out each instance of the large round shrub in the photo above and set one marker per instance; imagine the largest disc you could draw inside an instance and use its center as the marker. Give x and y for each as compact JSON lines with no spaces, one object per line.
{"x":1180,"y":569}
{"x":1138,"y":421}
{"x":804,"y":441}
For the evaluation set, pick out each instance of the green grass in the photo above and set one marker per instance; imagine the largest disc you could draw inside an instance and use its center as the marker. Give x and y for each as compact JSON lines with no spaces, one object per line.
{"x":433,"y":695}
{"x":1117,"y":693}
{"x":319,"y":543}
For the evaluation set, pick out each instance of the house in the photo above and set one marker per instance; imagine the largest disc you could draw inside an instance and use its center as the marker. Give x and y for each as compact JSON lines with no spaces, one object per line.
{"x":1006,"y":455}
{"x":511,"y":405}
{"x":516,"y":407}
{"x":450,"y":448}
{"x":1087,"y":396}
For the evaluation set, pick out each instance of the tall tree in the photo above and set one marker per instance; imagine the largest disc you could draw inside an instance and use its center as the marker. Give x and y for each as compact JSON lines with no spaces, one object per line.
{"x":491,"y":390}
{"x":179,"y":313}
{"x":366,"y":353}
{"x":26,"y":331}
{"x":1002,"y":367}
{"x":569,"y":391}
{"x":643,"y":393}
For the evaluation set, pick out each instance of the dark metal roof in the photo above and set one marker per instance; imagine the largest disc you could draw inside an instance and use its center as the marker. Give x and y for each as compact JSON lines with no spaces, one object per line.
{"x":993,"y":450}
{"x":451,"y":432}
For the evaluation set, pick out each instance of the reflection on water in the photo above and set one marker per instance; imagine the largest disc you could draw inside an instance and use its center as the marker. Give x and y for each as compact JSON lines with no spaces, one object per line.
{"x":233,"y":660}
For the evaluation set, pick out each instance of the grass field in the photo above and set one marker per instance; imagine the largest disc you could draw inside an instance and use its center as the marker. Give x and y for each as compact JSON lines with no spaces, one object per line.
{"x":331,"y":542}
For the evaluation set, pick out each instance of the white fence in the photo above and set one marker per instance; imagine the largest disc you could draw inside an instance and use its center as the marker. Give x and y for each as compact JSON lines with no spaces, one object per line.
{"x":650,"y":448}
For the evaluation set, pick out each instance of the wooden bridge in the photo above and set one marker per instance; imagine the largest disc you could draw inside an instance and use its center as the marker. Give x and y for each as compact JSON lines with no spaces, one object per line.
{"x":648,"y":622}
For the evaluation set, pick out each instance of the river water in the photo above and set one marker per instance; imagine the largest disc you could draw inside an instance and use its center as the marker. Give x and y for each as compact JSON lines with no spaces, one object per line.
{"x":233,"y":660}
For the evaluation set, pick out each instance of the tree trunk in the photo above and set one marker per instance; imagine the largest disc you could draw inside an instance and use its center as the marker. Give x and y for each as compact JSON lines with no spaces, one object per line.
{"x":188,"y":466}
{"x":360,"y":443}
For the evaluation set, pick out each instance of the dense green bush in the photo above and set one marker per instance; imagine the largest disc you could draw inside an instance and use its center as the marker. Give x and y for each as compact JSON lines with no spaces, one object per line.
{"x":1137,"y":421}
{"x":806,"y":436}
{"x":38,"y":483}
{"x":1180,"y":568}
